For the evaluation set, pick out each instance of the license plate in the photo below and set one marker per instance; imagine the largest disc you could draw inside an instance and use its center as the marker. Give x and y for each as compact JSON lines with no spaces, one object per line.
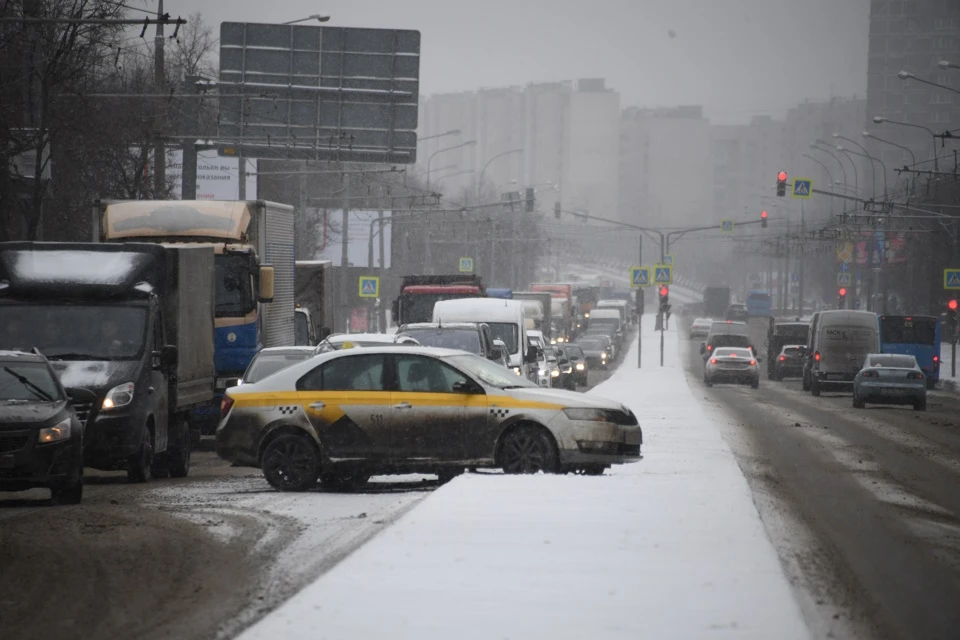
{"x":835,"y":376}
{"x":6,"y":462}
{"x":893,"y":392}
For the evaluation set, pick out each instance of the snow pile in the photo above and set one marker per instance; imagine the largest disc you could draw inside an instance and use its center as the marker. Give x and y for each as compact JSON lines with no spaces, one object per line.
{"x":670,"y":547}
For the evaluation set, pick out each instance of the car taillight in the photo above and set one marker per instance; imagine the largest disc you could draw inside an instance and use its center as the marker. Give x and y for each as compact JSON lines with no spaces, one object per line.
{"x":753,"y":362}
{"x":225,"y":405}
{"x":709,"y":347}
{"x":914,"y":375}
{"x":871,"y":374}
{"x":816,"y":356}
{"x":713,"y":361}
{"x":782,"y":358}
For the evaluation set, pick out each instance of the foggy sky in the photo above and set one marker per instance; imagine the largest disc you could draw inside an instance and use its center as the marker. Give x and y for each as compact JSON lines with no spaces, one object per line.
{"x":734,"y":57}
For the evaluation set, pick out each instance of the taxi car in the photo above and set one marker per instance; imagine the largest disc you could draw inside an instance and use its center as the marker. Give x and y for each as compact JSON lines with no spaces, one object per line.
{"x":340,"y":417}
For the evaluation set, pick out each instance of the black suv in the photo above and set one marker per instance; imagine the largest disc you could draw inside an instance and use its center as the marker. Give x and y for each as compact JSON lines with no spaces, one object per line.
{"x":41,"y":439}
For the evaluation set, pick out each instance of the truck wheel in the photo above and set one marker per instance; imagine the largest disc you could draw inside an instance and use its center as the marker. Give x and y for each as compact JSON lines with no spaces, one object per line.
{"x":291,"y":463}
{"x":178,"y":453}
{"x":139,"y":464}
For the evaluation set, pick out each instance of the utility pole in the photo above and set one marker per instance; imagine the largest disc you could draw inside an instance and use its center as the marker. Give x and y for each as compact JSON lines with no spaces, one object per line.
{"x":188,"y":146}
{"x":344,"y":252}
{"x":159,"y":149}
{"x":800,"y":262}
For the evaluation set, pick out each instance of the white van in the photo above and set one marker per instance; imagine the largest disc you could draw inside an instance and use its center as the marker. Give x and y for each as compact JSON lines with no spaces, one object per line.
{"x":505,"y":318}
{"x":533,"y":314}
{"x":839,"y":343}
{"x":620,"y":305}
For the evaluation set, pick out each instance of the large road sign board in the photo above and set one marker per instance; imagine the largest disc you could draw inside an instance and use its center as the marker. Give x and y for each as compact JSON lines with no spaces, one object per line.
{"x":951,"y":278}
{"x":844,"y":279}
{"x":299,"y":92}
{"x":802,"y":187}
{"x":726,"y":226}
{"x":466,"y":265}
{"x":663,"y":274}
{"x":369,"y":287}
{"x":639,"y":277}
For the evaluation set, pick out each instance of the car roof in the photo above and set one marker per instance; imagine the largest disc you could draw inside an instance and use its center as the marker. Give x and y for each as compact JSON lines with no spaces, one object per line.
{"x":792,"y":346}
{"x":441,"y":325}
{"x":285,"y":350}
{"x":386,"y":338}
{"x":21,"y":356}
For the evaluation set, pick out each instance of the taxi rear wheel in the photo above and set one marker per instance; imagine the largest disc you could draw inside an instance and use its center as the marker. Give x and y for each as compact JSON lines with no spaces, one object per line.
{"x":528,"y":449}
{"x":291,"y":463}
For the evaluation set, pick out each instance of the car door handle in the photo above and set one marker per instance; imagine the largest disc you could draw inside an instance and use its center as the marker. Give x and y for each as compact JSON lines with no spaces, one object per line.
{"x":403,"y":405}
{"x":317,"y":405}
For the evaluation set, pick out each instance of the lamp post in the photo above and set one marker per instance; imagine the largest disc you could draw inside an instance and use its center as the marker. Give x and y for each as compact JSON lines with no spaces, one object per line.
{"x":946,"y":64}
{"x":906,"y":75}
{"x":825,"y":170}
{"x":913,"y":158}
{"x":317,"y":16}
{"x":881,"y":120}
{"x":452,"y":132}
{"x":826,"y":147}
{"x":468,"y":143}
{"x":484,"y":170}
{"x":867,"y":155}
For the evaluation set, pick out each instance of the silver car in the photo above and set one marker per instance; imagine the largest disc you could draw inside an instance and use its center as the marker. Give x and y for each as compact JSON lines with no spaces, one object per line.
{"x":887,"y":378}
{"x":732,"y":365}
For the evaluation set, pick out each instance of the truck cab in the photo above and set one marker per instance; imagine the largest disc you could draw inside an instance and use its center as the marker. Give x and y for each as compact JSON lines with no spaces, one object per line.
{"x":419,"y":294}
{"x":124,"y":328}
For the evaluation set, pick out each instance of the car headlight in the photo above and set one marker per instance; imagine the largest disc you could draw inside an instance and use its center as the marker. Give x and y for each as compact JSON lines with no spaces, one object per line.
{"x":120,"y":396}
{"x":516,"y":370}
{"x":555,"y":373}
{"x":56,"y":433}
{"x":593,"y":415}
{"x":580,"y":366}
{"x":541,"y":372}
{"x":604,"y":355}
{"x":568,"y":370}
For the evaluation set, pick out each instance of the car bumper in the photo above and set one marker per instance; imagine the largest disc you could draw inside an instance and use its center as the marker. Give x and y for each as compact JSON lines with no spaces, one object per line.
{"x":736,"y":375}
{"x":792,"y":371}
{"x":834,"y":379}
{"x":36,"y":465}
{"x":587,"y":442}
{"x":111,"y":438}
{"x":880,"y":393}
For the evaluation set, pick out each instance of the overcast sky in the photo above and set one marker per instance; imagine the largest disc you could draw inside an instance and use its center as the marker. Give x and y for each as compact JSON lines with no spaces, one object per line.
{"x":734,"y":57}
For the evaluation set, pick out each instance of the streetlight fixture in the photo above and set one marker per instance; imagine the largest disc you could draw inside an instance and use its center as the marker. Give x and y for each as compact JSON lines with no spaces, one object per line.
{"x":468,"y":143}
{"x":825,"y":170}
{"x":826,"y":147}
{"x":881,"y":120}
{"x":484,"y":170}
{"x":317,"y":16}
{"x":452,"y":132}
{"x":913,"y":158}
{"x":906,"y":75}
{"x":946,"y":64}
{"x":867,"y":155}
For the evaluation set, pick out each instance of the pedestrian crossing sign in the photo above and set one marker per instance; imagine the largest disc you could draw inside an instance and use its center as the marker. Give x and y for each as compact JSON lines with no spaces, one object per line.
{"x":951,"y":278}
{"x":802,"y":187}
{"x":726,"y":226}
{"x":663,"y":274}
{"x":369,"y":287}
{"x":639,"y":277}
{"x":844,"y":279}
{"x":466,"y":265}
{"x":668,"y":259}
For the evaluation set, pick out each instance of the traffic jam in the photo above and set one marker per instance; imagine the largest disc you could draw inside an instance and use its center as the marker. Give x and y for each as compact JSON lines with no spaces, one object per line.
{"x":127,"y":354}
{"x":879,"y":359}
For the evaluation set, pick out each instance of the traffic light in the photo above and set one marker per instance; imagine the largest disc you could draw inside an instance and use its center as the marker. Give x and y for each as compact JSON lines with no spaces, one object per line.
{"x":782,"y":184}
{"x":763,"y":219}
{"x":842,"y":297}
{"x":664,"y":295}
{"x":530,"y":200}
{"x":556,"y":209}
{"x":952,"y":310}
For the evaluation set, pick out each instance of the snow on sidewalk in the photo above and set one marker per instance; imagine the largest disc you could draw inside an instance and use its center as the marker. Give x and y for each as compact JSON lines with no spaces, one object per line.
{"x":670,"y":547}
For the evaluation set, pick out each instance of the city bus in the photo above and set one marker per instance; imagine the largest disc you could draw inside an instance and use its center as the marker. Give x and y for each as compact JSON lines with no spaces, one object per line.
{"x":759,"y":304}
{"x":917,"y":336}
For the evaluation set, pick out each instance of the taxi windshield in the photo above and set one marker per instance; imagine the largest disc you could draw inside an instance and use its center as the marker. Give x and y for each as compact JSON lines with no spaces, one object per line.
{"x":491,"y":373}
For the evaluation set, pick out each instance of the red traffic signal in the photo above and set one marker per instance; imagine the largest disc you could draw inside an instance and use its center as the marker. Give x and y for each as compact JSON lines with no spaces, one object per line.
{"x":952,"y":305}
{"x":763,"y":219}
{"x":782,"y":176}
{"x":664,"y":291}
{"x":782,"y":184}
{"x":763,"y":214}
{"x":843,"y":292}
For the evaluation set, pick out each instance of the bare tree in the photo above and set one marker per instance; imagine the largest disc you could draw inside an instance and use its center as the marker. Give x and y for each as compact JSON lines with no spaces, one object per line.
{"x":193,"y":52}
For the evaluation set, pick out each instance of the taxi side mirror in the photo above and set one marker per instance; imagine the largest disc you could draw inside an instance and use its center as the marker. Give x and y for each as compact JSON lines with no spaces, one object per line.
{"x":463,"y":386}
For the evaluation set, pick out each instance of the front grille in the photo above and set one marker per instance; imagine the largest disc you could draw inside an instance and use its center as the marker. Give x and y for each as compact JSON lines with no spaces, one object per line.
{"x":13,"y":441}
{"x":83,"y":412}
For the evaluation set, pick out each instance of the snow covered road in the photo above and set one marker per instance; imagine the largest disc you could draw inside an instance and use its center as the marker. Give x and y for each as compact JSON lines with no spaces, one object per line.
{"x":670,"y":547}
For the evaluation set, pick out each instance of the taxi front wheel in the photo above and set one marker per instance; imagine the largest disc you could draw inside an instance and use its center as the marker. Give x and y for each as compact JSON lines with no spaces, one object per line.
{"x":528,"y":449}
{"x":291,"y":463}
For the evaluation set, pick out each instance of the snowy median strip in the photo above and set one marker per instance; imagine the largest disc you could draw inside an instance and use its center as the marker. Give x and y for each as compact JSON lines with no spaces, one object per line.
{"x":670,"y":547}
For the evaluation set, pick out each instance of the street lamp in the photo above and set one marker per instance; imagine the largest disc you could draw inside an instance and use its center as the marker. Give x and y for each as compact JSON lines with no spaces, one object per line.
{"x":820,"y":145}
{"x":906,"y":75}
{"x":452,"y":132}
{"x":451,"y":175}
{"x":913,"y":158}
{"x":468,"y":143}
{"x":318,"y":17}
{"x":946,"y":64}
{"x":881,"y":120}
{"x":825,"y":170}
{"x":867,"y":155}
{"x":482,"y":172}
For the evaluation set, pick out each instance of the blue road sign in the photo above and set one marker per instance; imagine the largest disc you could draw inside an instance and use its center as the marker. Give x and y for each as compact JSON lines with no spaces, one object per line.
{"x":466,"y":265}
{"x":794,"y":277}
{"x":844,"y":279}
{"x":844,"y":267}
{"x":668,"y":259}
{"x":640,"y":276}
{"x":951,"y":278}
{"x":726,"y":226}
{"x":802,"y":187}
{"x":369,"y":287}
{"x":663,"y":274}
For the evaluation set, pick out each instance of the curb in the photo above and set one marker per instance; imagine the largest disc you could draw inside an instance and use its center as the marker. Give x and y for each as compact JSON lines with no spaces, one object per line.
{"x":950,"y":385}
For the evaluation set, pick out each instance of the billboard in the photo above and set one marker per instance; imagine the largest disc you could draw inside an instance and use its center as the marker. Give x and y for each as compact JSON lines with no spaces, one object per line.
{"x":217,"y":176}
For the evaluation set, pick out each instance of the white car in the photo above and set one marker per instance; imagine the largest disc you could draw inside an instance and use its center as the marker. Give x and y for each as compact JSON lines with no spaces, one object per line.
{"x":338,"y":341}
{"x":700,"y":328}
{"x":732,"y":365}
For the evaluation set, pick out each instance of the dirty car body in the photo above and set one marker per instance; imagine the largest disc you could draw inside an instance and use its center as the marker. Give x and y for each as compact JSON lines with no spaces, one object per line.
{"x":385,"y":410}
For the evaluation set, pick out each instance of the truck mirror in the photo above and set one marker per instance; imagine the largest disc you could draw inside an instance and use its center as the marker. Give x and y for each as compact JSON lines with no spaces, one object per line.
{"x":495,"y":352}
{"x":169,"y":358}
{"x":266,"y":284}
{"x":534,"y":354}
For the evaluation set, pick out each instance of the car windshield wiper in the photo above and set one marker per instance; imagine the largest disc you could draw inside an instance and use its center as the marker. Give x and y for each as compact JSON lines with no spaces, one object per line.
{"x":37,"y":391}
{"x":513,"y":386}
{"x":75,"y":356}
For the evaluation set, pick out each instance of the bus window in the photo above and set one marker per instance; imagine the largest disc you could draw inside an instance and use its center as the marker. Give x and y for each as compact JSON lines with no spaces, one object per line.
{"x":907,"y":330}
